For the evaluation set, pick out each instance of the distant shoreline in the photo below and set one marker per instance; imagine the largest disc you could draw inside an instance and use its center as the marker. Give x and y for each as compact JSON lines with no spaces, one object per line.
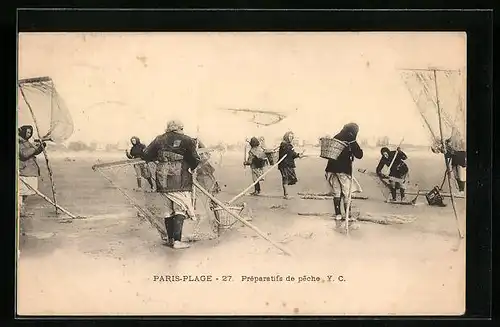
{"x":312,"y":151}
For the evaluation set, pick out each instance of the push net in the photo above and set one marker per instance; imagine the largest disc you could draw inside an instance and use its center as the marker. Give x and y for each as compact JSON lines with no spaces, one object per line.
{"x":430,"y":88}
{"x":123,"y":175}
{"x":258,"y":117}
{"x":41,"y":106}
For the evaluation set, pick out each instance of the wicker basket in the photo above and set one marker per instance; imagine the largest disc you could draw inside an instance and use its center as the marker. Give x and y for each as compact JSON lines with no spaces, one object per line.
{"x":331,"y":148}
{"x":272,"y":157}
{"x":224,"y":219}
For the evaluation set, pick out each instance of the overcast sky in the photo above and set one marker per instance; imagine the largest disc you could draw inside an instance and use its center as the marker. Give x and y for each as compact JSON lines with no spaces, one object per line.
{"x":122,"y":84}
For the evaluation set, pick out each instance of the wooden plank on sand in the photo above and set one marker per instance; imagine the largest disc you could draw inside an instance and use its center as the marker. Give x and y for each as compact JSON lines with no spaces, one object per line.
{"x":378,"y":218}
{"x":446,"y":195}
{"x":320,"y":196}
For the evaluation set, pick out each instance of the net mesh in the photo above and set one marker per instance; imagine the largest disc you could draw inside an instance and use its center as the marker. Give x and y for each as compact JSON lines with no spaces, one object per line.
{"x":53,"y":119}
{"x":125,"y":177}
{"x":258,"y":117}
{"x":449,"y":95}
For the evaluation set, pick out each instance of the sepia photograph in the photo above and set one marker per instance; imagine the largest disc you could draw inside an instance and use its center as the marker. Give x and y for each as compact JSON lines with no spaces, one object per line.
{"x":241,"y":173}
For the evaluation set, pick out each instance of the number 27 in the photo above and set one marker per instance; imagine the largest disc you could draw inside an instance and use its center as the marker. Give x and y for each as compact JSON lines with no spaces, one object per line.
{"x":226,"y":278}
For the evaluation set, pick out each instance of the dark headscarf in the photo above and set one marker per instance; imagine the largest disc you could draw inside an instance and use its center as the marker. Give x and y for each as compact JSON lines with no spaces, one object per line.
{"x":254,"y":142}
{"x":23,"y":130}
{"x":137,"y":149}
{"x":351,"y":130}
{"x":137,"y":140}
{"x":385,"y":149}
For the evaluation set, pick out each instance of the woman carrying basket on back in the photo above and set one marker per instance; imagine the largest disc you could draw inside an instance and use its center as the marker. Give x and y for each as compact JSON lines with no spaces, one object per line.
{"x":338,"y":172}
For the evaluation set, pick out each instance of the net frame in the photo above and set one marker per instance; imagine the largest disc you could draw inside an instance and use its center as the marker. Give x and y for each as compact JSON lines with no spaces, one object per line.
{"x":208,"y":194}
{"x":123,"y":171}
{"x":442,"y":119}
{"x":46,"y":85}
{"x":273,"y":117}
{"x":423,"y":86}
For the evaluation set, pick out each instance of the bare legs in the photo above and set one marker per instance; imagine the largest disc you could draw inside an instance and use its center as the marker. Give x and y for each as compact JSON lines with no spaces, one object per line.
{"x":285,"y":191}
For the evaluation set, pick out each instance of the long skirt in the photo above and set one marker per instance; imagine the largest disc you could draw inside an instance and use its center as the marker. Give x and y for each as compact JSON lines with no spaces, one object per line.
{"x":339,"y":184}
{"x":288,"y":176}
{"x":256,"y":173}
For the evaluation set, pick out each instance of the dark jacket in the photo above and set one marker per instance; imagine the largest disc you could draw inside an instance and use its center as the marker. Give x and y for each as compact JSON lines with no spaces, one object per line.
{"x":399,"y":169}
{"x":137,"y":149}
{"x":456,"y":157}
{"x":343,"y":164}
{"x":175,"y":153}
{"x":289,"y":161}
{"x":28,"y":165}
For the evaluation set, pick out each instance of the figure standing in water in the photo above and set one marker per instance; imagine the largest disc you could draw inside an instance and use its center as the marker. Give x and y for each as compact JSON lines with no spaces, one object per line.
{"x":141,"y":170}
{"x":287,"y":166}
{"x":29,"y":171}
{"x":338,"y":173}
{"x":177,"y":158}
{"x":397,"y":172}
{"x":257,"y":160}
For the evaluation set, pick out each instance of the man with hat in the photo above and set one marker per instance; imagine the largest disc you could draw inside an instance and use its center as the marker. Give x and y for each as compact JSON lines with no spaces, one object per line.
{"x":176,"y":157}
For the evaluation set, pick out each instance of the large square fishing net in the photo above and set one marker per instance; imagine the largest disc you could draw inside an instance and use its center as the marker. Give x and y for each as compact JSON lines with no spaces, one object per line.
{"x":43,"y":108}
{"x":440,"y":94}
{"x":122,"y":175}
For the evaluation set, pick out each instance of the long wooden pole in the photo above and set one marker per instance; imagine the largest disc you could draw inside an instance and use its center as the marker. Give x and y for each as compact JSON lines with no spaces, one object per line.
{"x":238,"y":217}
{"x":347,"y":211}
{"x":445,"y":160}
{"x":49,"y":168}
{"x":43,"y":196}
{"x":195,"y":173}
{"x":445,"y":195}
{"x":245,"y":157}
{"x":119,"y":163}
{"x":130,"y":162}
{"x":395,"y":155}
{"x":242,"y":193}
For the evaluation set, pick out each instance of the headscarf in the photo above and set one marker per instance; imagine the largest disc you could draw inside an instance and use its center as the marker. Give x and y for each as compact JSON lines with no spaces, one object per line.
{"x":175,"y":126}
{"x":351,"y":129}
{"x":137,"y":140}
{"x":286,"y":137}
{"x":254,"y":142}
{"x":23,"y":130}
{"x":384,"y":149}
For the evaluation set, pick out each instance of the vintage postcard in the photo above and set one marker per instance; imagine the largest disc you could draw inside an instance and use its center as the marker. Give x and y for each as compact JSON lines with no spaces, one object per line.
{"x":241,"y":173}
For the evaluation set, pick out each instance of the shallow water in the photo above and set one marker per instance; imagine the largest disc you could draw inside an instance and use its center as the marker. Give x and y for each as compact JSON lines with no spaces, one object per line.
{"x":107,"y":264}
